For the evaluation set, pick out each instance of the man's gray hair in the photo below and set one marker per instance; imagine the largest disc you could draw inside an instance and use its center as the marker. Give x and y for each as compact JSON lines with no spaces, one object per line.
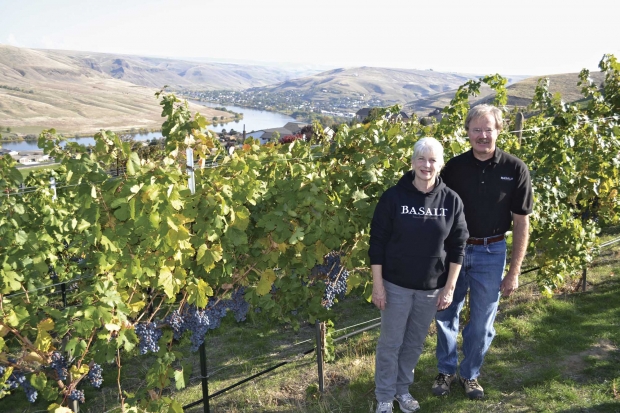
{"x":484,"y":110}
{"x":429,"y":145}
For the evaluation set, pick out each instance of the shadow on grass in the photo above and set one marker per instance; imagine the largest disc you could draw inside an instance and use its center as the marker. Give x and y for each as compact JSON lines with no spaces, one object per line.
{"x":571,"y":341}
{"x":611,"y":407}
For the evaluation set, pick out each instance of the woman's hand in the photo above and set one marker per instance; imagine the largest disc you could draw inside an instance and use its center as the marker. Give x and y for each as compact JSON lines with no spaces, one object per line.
{"x":444,"y":299}
{"x":378,"y":296}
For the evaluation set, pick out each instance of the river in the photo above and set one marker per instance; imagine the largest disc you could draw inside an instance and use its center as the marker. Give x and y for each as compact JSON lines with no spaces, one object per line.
{"x":253,"y":120}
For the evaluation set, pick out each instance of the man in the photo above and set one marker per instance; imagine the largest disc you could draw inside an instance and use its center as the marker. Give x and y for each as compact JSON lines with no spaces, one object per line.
{"x":496,"y":191}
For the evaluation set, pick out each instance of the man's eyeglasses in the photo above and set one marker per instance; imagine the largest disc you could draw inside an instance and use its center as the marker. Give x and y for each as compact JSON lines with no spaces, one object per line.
{"x":488,"y":131}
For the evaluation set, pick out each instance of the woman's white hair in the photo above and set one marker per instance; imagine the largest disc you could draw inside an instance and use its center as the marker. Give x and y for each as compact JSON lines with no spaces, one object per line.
{"x":429,"y":145}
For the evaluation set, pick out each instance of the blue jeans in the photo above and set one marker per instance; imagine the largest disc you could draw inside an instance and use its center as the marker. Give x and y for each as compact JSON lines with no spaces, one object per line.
{"x":404,"y":325}
{"x":481,"y":274}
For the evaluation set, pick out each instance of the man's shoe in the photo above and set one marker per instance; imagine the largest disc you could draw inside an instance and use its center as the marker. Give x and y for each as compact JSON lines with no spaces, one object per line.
{"x":407,"y":403}
{"x":384,"y":407}
{"x":441,"y":385}
{"x":473,"y":390}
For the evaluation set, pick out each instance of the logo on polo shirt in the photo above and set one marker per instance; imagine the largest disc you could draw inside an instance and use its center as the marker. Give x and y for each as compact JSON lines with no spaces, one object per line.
{"x":507,"y":178}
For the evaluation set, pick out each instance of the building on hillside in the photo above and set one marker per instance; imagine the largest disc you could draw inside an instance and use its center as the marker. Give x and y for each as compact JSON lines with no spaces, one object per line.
{"x":31,"y":157}
{"x":265,"y":135}
{"x":362,"y":114}
{"x":401,"y":116}
{"x":433,"y":117}
{"x":11,"y":152}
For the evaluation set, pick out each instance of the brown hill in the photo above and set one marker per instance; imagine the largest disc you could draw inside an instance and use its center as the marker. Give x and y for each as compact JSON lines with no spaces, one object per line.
{"x":366,"y":83}
{"x":41,"y":89}
{"x":520,"y":93}
{"x":178,"y":74}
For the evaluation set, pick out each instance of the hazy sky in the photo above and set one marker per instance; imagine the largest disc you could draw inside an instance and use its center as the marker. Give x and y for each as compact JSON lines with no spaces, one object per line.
{"x":533,"y":37}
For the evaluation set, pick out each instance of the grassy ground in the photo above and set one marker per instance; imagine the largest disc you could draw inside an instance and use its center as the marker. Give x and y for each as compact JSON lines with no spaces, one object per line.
{"x":549,"y":355}
{"x":25,"y":171}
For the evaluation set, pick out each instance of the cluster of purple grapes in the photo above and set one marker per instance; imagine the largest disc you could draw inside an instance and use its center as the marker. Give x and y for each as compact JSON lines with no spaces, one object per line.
{"x":95,"y":376}
{"x":77,"y":395}
{"x":175,"y":321}
{"x":199,"y":322}
{"x":238,"y":305}
{"x":149,"y":334}
{"x":60,"y":365}
{"x":52,"y":272}
{"x":335,"y":278}
{"x":17,"y":379}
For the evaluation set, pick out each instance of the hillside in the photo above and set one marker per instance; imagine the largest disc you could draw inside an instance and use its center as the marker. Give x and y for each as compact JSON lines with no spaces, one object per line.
{"x":157,"y":72}
{"x":41,"y":89}
{"x":367,"y":83}
{"x":519,"y":93}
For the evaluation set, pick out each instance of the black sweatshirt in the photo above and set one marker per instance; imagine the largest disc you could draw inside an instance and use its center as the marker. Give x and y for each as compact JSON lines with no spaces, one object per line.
{"x":416,"y":235}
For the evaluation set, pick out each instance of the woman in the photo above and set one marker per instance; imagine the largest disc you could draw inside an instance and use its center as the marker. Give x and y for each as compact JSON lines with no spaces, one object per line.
{"x":417,"y":240}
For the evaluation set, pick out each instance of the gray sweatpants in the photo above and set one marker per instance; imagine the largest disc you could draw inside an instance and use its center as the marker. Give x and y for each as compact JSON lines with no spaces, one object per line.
{"x":404,"y":325}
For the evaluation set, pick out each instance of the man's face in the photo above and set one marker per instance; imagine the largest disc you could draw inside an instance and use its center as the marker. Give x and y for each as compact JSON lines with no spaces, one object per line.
{"x":482,"y":134}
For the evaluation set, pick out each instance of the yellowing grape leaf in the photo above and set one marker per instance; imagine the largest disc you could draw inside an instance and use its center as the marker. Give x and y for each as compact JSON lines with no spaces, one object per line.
{"x":266,"y":280}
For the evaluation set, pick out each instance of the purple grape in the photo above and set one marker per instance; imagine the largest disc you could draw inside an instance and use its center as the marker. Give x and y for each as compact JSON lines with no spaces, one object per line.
{"x":77,"y":395}
{"x":175,"y":321}
{"x":60,"y":365}
{"x":16,"y":379}
{"x":95,"y":375}
{"x":149,"y":334}
{"x":336,"y":278}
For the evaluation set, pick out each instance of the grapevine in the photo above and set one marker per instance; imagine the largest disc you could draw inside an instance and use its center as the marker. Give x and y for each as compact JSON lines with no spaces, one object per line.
{"x":277,"y":231}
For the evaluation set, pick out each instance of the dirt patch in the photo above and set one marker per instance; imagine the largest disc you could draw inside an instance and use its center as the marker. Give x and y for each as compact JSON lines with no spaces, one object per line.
{"x":576,"y":363}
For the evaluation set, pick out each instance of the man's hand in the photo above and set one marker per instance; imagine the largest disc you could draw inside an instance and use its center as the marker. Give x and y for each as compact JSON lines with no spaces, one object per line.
{"x":509,"y":284}
{"x":378,"y":297}
{"x":520,"y":236}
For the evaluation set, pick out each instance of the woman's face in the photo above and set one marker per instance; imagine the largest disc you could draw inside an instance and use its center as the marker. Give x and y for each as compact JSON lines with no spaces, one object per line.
{"x":426,"y":166}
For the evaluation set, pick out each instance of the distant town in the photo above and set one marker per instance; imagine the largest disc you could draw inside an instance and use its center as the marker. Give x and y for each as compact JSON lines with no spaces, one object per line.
{"x":292,"y":103}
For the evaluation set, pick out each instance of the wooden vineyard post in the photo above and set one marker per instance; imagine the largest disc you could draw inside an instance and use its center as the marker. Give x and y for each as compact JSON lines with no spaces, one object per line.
{"x":583,"y":279}
{"x":518,"y":131}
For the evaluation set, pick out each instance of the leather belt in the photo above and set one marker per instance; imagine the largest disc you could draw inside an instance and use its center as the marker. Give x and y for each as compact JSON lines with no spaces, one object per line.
{"x":487,"y":240}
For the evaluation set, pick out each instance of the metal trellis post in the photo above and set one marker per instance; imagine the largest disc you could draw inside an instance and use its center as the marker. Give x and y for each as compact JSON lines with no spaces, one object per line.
{"x":203,"y":377}
{"x":319,"y":353}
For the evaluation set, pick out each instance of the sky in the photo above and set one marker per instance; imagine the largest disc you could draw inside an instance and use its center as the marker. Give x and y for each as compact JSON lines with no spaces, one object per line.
{"x":528,"y":37}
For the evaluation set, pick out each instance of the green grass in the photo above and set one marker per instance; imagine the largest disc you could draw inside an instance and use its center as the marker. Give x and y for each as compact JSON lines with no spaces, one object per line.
{"x":549,"y":355}
{"x":26,"y":171}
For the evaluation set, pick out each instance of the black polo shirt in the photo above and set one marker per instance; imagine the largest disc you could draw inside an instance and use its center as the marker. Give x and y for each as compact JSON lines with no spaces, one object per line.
{"x":491,"y":191}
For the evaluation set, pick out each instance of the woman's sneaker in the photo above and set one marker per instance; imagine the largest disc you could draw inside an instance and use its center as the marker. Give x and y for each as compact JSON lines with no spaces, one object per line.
{"x":407,"y":403}
{"x":473,"y":390}
{"x":441,"y":385}
{"x":384,"y":407}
